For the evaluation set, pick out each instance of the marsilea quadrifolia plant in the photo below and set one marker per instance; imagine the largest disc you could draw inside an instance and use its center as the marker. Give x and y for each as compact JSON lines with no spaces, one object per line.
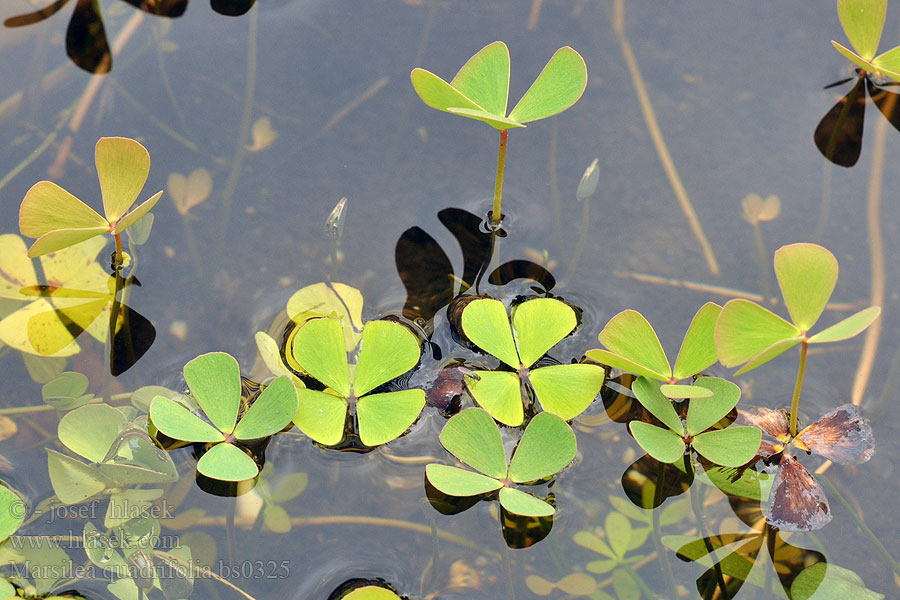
{"x":536,"y":326}
{"x":387,"y":350}
{"x":59,"y":220}
{"x":748,"y":334}
{"x":480,"y":91}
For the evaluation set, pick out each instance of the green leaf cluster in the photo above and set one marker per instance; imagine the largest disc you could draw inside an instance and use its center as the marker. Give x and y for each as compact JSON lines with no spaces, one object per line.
{"x":729,"y":447}
{"x":387,"y":350}
{"x":214,"y":380}
{"x":748,"y":334}
{"x":480,"y":90}
{"x":537,"y":325}
{"x":633,"y":346}
{"x":863,"y":22}
{"x":472,"y":436}
{"x":58,"y":219}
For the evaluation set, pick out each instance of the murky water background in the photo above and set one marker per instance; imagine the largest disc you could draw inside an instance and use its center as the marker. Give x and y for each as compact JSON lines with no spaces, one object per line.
{"x":738,"y":92}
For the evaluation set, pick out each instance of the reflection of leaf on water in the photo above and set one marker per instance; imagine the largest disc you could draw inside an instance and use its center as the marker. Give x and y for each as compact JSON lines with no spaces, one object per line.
{"x":76,"y":297}
{"x":75,"y":267}
{"x":263,"y":135}
{"x":188,"y":192}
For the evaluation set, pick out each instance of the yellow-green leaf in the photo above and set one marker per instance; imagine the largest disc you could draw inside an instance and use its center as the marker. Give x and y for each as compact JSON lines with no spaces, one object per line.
{"x":122,"y":167}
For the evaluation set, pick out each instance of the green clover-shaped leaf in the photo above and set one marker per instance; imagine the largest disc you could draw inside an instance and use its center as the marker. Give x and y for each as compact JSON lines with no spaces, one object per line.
{"x":387,"y":350}
{"x":730,"y":447}
{"x":214,"y":380}
{"x":58,"y":219}
{"x":633,"y":346}
{"x":749,"y":335}
{"x":480,"y":89}
{"x":537,"y":325}
{"x":472,"y":436}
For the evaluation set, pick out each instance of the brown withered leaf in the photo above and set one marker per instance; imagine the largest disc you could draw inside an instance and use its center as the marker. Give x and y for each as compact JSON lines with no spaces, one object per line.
{"x":842,"y":436}
{"x":797,"y":501}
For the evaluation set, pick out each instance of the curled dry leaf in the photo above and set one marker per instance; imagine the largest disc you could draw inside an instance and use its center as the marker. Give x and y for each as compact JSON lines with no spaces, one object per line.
{"x":188,"y":192}
{"x":263,"y":135}
{"x":757,"y":210}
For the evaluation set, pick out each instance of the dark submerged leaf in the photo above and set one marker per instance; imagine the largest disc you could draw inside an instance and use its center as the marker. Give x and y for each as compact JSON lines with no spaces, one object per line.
{"x":86,"y":41}
{"x":839,"y":134}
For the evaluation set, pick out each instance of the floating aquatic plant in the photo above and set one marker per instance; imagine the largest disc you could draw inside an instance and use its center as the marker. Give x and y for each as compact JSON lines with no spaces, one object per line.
{"x":732,"y":446}
{"x":387,"y":350}
{"x":863,"y":22}
{"x":547,"y":445}
{"x":214,"y":380}
{"x":633,"y":346}
{"x":749,"y":335}
{"x":537,"y":326}
{"x":797,"y":502}
{"x":480,"y":90}
{"x":59,"y":220}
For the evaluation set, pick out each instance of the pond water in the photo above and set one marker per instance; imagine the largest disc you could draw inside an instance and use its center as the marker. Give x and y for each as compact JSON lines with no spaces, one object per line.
{"x":737,"y":91}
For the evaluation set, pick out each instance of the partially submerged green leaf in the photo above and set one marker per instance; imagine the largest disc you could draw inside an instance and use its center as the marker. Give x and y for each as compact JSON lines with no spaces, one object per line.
{"x":546,"y":447}
{"x":12,"y":512}
{"x":371,"y":592}
{"x":72,"y":480}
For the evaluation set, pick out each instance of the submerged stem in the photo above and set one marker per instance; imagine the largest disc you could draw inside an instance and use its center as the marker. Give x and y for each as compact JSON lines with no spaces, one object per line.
{"x":498,"y":186}
{"x":795,"y":401}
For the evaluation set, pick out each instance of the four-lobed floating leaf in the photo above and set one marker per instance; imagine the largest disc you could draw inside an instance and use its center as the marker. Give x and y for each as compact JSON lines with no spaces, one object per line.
{"x":387,"y":350}
{"x":214,"y":380}
{"x":633,"y":346}
{"x":748,"y":334}
{"x":58,"y":219}
{"x":537,"y":325}
{"x":472,"y":436}
{"x":480,"y":90}
{"x":730,"y":447}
